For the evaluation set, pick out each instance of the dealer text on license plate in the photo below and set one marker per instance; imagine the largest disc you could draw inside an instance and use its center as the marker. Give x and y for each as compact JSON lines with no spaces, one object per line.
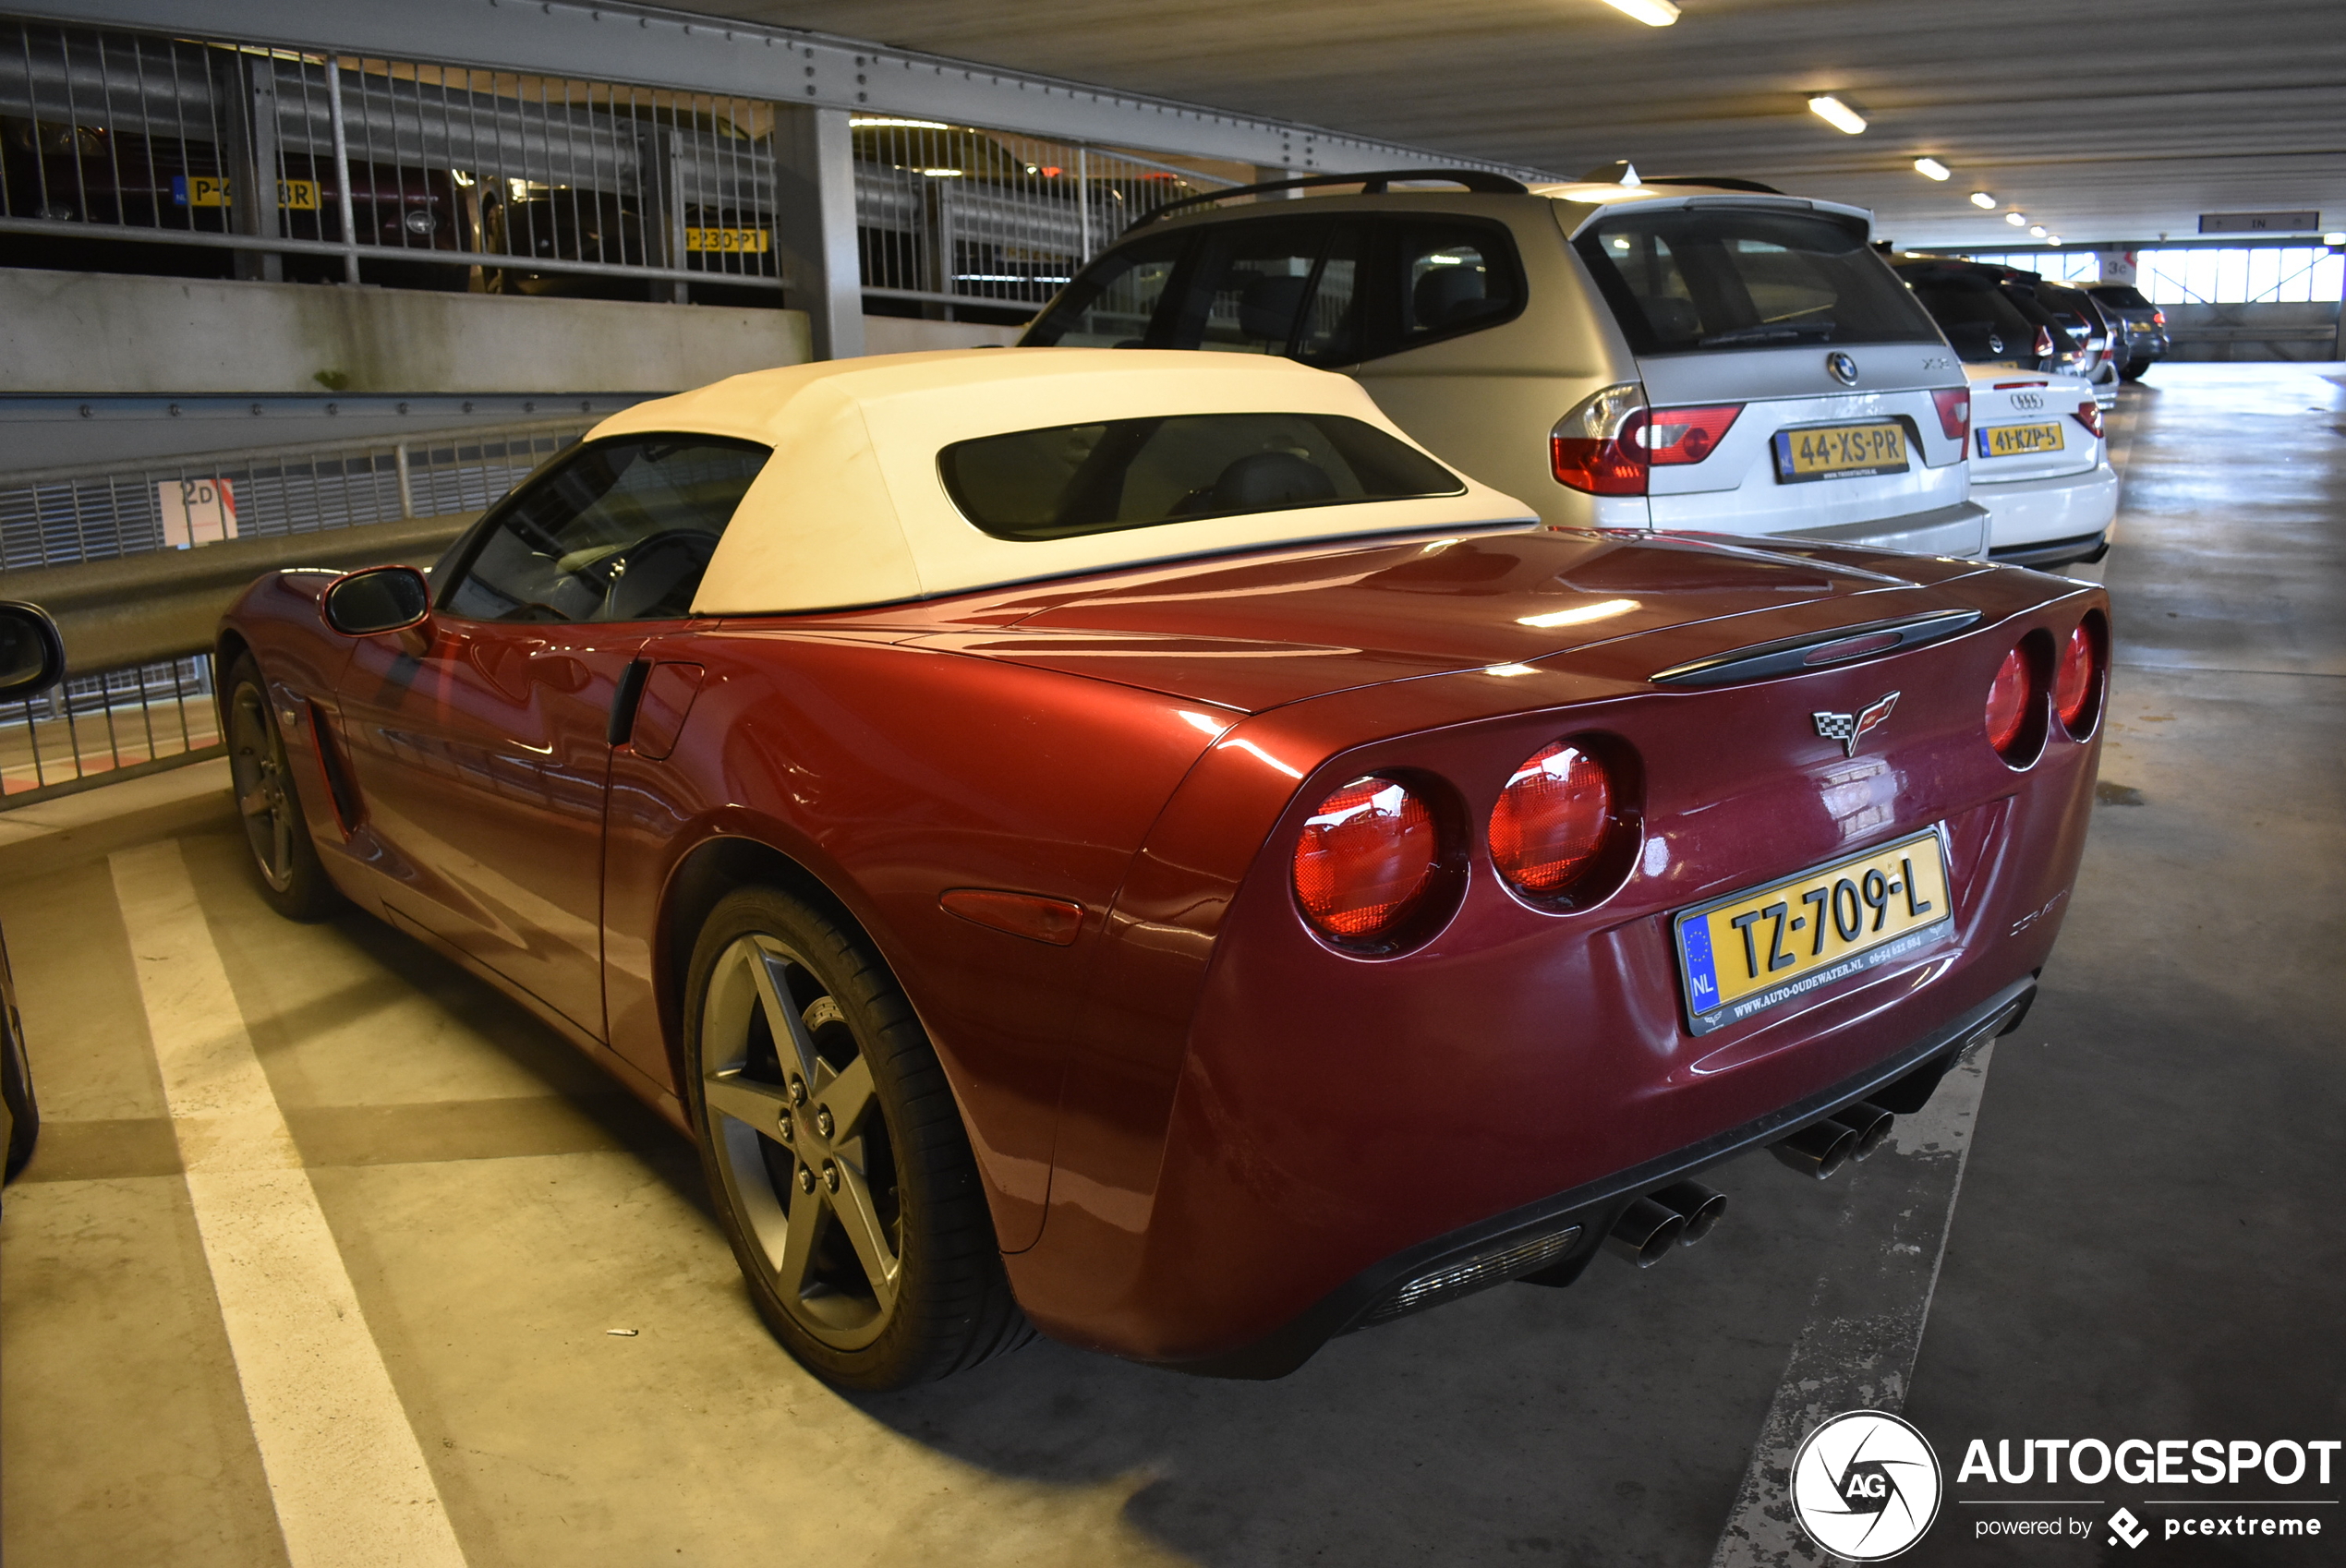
{"x":2018,"y":440}
{"x":1749,"y":951}
{"x":1839,"y":452}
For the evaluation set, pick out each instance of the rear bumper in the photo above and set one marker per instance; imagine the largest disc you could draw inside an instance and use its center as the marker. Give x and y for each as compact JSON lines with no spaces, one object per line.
{"x":1957,"y":530}
{"x":2081,"y":551}
{"x":1557,"y":1236}
{"x":2028,"y":512}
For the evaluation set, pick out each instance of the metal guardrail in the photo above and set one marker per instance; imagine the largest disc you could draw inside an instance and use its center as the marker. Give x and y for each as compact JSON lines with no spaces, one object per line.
{"x":93,"y":546}
{"x":60,"y":516}
{"x":138,"y":631}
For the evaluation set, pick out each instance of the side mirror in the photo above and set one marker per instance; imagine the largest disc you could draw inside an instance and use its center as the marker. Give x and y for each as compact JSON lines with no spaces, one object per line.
{"x":32,"y":656}
{"x":381,"y":598}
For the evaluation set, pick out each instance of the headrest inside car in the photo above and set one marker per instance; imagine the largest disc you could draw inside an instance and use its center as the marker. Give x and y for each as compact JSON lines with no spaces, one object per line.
{"x":1267,"y":307}
{"x":1672,"y":318}
{"x":1271,"y":479}
{"x":1449,"y":296}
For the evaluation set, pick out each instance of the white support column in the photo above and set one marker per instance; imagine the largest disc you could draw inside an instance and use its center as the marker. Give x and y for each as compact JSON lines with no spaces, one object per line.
{"x":815,"y":224}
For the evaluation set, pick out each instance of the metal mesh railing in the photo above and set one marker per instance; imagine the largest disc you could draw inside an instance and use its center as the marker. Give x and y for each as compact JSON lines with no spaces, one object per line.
{"x":56,"y":517}
{"x":955,"y":212}
{"x":282,"y":163}
{"x":261,"y":161}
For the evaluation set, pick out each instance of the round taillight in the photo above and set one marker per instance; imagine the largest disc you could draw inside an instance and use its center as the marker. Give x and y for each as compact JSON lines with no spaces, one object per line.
{"x":1551,"y":819}
{"x":2074,"y":686}
{"x":1364,"y":859}
{"x":2007,"y":702}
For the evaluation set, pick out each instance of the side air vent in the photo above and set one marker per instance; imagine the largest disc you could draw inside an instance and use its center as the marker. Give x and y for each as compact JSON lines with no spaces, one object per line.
{"x":1817,"y":650}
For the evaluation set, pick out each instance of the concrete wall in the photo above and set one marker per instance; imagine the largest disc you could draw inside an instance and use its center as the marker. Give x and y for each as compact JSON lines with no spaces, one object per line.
{"x":903,"y":334}
{"x":107,"y":335}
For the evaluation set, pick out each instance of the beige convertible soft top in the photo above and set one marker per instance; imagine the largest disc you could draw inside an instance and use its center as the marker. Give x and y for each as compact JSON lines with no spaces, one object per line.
{"x":851,"y":509}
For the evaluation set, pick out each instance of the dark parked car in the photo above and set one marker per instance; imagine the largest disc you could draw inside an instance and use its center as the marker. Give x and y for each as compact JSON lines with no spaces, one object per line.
{"x":2146,"y":341}
{"x":31,"y":660}
{"x":1990,"y":314}
{"x":1127,"y":841}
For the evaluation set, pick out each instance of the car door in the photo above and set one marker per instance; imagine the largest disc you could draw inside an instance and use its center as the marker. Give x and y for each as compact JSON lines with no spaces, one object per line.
{"x":481,"y":740}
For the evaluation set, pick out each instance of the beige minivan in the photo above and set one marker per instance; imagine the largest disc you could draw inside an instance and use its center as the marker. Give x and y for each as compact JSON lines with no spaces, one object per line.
{"x":1714,"y":357}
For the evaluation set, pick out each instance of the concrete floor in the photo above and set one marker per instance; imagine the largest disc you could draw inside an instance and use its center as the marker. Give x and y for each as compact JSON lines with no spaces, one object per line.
{"x":2146,"y":1242}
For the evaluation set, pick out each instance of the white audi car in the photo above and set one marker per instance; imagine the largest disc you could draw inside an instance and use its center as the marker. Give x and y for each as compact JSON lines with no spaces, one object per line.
{"x":2040,"y":466}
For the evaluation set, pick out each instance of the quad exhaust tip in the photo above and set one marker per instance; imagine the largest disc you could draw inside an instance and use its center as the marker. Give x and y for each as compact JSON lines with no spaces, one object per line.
{"x":1701,"y":1207}
{"x":1645,"y":1233}
{"x":1678,"y":1215}
{"x":1822,"y":1148}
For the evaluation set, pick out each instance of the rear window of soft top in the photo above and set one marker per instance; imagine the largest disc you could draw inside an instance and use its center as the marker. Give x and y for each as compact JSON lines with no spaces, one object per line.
{"x":1686,"y":279}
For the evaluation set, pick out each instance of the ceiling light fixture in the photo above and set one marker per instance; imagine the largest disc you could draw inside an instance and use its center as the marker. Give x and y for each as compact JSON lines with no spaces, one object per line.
{"x":1836,"y":113}
{"x":2017,"y":220}
{"x":1654,"y":13}
{"x":1983,"y":200}
{"x":2037,"y":230}
{"x":873,"y":122}
{"x":1932,"y":169}
{"x":2334,"y":239}
{"x":2053,"y":239}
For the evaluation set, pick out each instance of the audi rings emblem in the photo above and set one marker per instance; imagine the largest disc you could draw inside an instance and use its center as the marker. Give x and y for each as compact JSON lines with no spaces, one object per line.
{"x":1844,"y":368}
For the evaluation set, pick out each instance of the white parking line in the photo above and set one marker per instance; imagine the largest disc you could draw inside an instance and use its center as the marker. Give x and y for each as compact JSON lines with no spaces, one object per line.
{"x":346,"y":1474}
{"x":1864,"y":1325}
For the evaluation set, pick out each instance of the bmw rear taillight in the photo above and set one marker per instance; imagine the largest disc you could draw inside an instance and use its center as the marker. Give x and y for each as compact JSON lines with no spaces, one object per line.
{"x":1954,"y":412}
{"x":2089,"y":414}
{"x":1596,"y":449}
{"x":1687,"y":435}
{"x":2077,"y":683}
{"x":1364,"y":860}
{"x":1552,"y":819}
{"x":2007,"y":702}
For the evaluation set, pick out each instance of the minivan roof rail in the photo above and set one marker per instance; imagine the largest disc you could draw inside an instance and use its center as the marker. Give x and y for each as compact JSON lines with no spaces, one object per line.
{"x":1482,"y":180}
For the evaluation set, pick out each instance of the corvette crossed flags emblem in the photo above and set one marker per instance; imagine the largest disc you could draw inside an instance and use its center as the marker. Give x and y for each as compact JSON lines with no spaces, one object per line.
{"x":1850,"y":728}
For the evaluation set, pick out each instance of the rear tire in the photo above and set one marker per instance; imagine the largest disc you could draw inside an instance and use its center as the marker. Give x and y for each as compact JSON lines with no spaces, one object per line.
{"x":2134,"y":371}
{"x":835,"y":1151}
{"x":284,"y":858}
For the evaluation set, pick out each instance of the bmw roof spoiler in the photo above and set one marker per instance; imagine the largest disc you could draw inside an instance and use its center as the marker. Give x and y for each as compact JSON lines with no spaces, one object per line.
{"x":1480,"y":180}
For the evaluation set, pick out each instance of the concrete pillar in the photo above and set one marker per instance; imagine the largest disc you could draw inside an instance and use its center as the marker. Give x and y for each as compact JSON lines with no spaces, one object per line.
{"x":1264,"y":173}
{"x":815,"y":224}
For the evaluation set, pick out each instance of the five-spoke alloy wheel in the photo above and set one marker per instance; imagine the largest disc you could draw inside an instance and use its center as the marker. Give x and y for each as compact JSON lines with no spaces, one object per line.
{"x":291,"y":877}
{"x":835,"y":1150}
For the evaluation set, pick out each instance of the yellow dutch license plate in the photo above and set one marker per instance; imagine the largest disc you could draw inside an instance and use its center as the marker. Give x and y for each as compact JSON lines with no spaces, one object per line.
{"x":1839,"y":452}
{"x":737,"y":241}
{"x":1750,"y":951}
{"x":2018,"y":440}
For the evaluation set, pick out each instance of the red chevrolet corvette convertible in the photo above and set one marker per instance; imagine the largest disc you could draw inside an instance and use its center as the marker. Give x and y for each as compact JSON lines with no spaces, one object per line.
{"x":1129,"y":843}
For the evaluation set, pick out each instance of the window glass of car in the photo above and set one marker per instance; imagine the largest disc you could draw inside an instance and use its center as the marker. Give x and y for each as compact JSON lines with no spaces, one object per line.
{"x":618,"y":530}
{"x":1454,"y":278}
{"x":1074,"y":479}
{"x":1275,"y":288}
{"x":1984,"y":318}
{"x":1689,"y":279}
{"x":1113,"y":301}
{"x":2126,"y":296}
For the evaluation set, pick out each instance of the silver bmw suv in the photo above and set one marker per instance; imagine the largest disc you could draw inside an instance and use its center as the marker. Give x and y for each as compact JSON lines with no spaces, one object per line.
{"x":1712,"y":356}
